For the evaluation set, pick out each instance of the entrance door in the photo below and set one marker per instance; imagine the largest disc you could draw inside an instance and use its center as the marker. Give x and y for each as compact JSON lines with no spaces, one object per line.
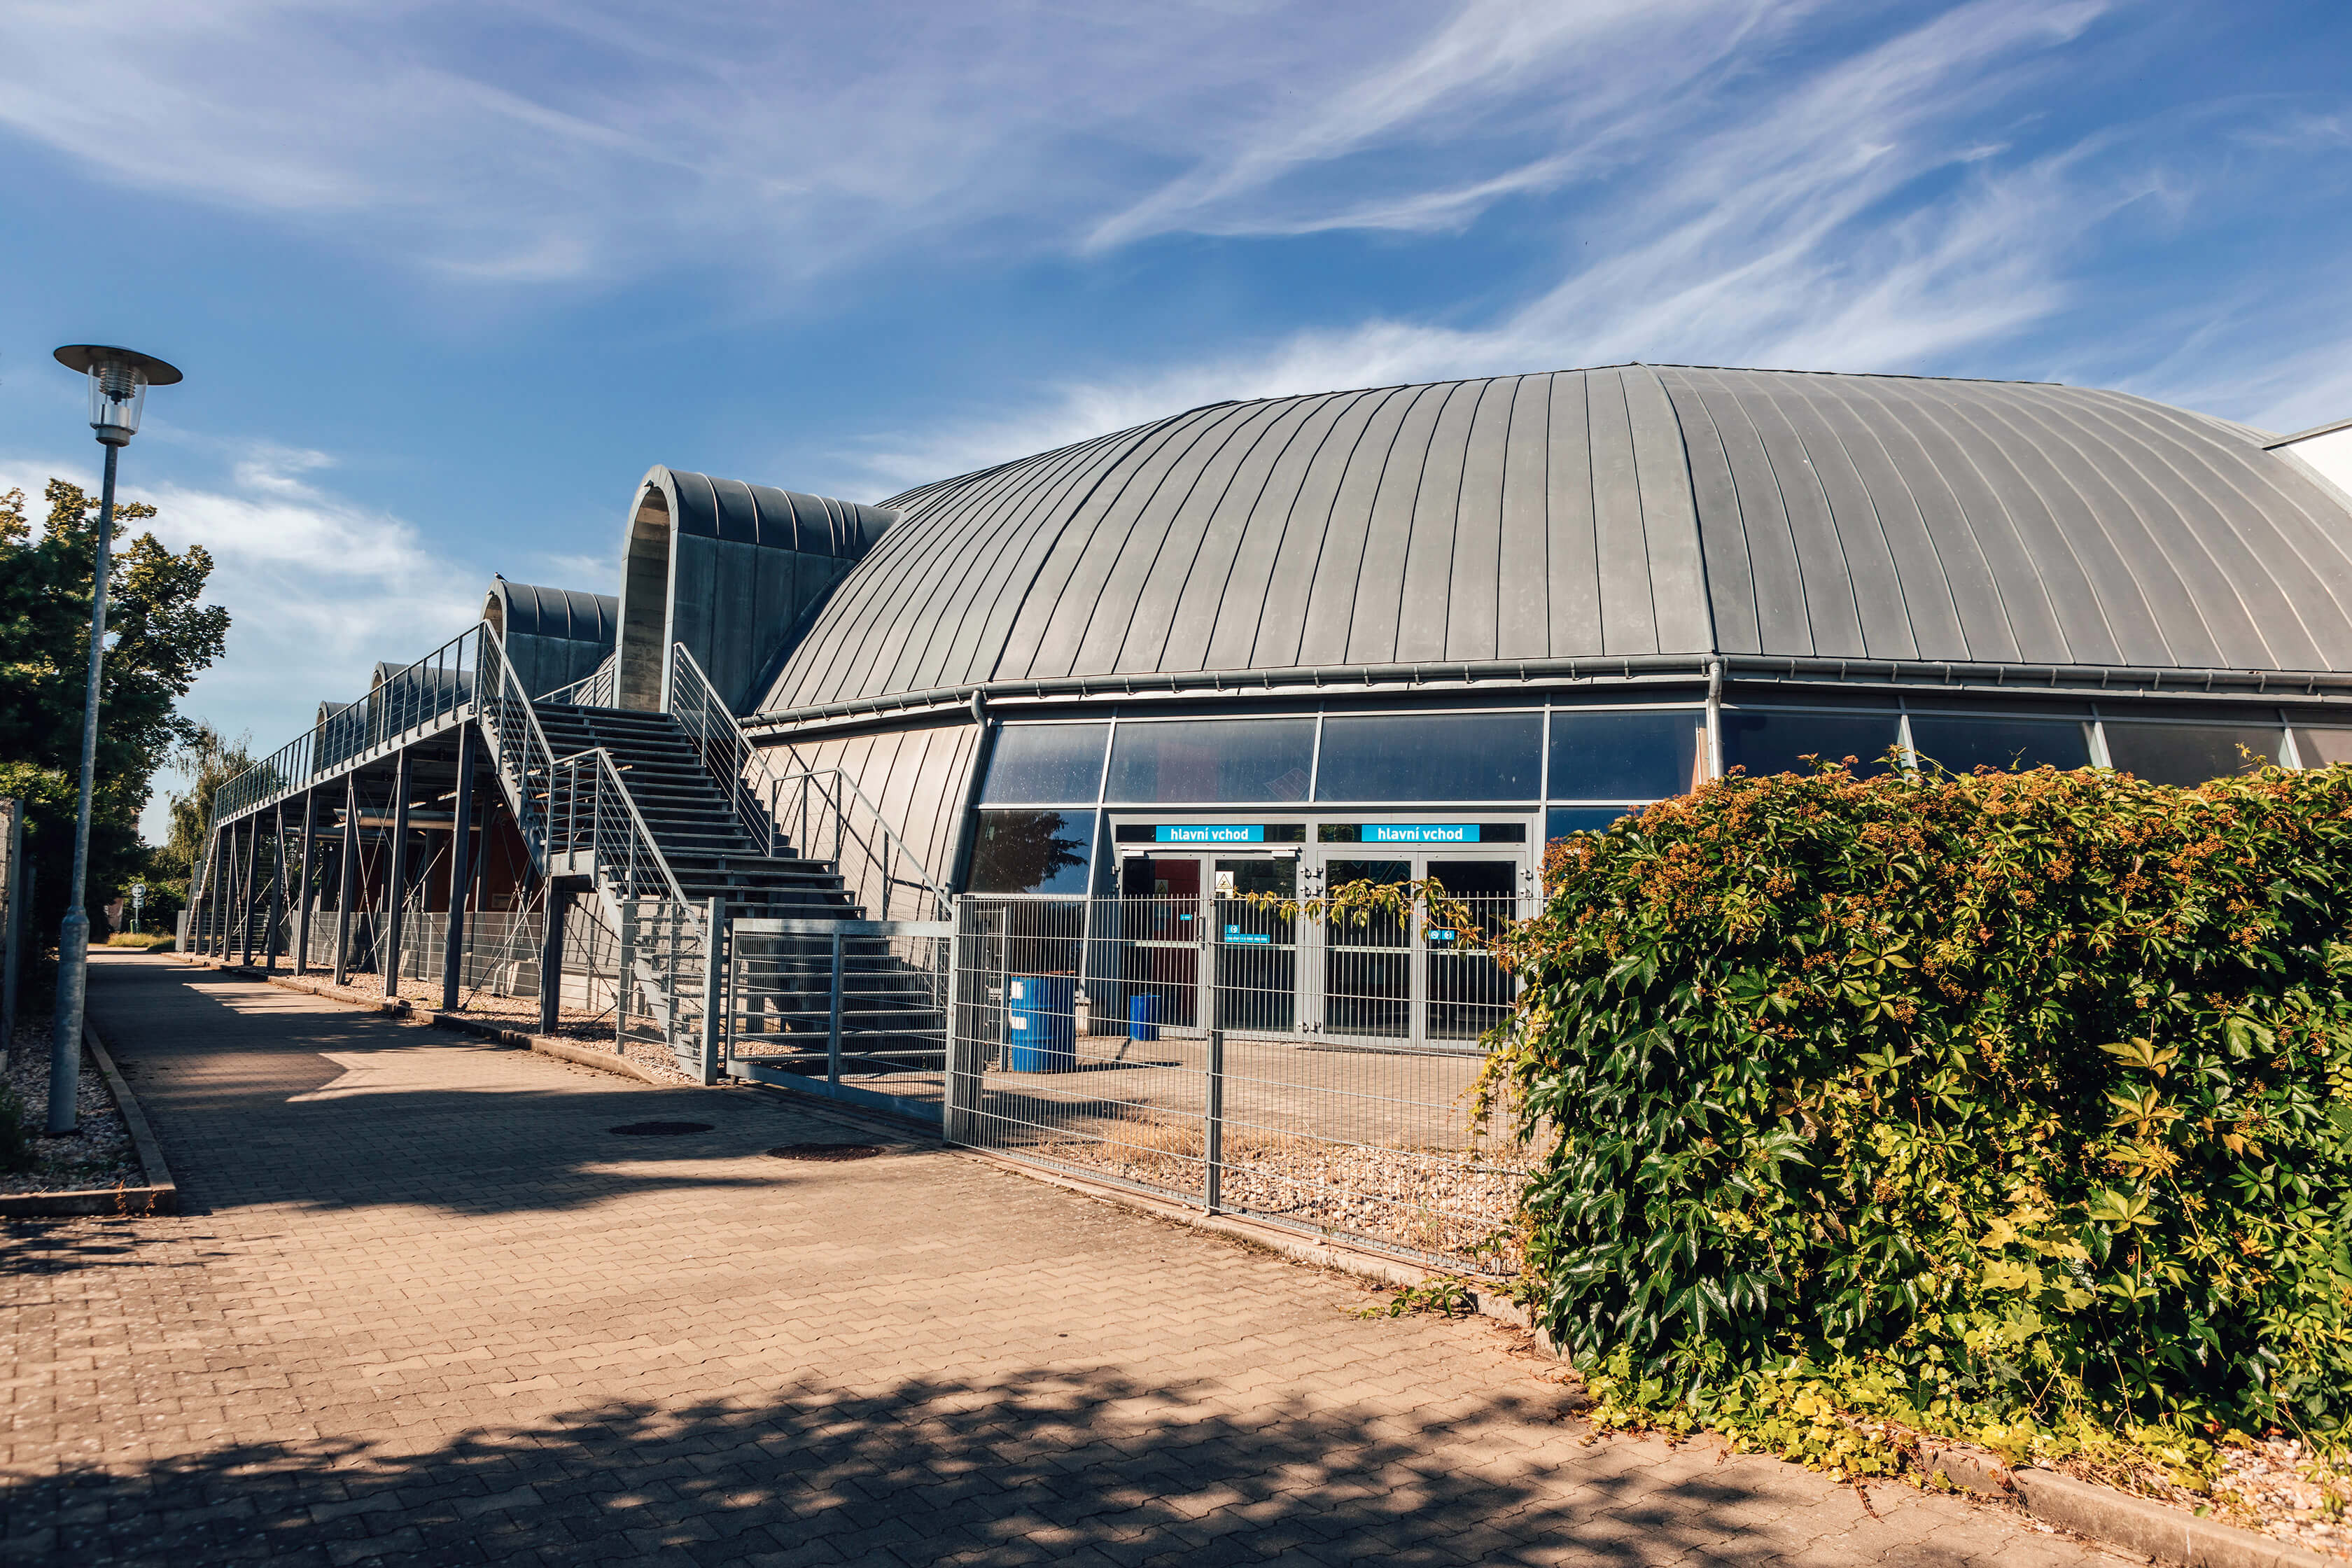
{"x":1467,"y":991}
{"x":1160,"y":928}
{"x":1387,"y":978}
{"x":1189,"y":927}
{"x":1368,"y":965}
{"x":1257,"y":948}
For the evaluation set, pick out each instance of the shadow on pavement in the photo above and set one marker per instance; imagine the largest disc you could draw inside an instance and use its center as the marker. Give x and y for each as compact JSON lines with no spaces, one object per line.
{"x":1043,"y":1466}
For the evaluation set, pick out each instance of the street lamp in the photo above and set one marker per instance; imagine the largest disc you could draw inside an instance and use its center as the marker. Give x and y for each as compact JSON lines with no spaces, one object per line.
{"x":119,"y":380}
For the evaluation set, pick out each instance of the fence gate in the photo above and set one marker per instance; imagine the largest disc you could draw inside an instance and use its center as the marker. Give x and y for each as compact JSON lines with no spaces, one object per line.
{"x":853,"y":1010}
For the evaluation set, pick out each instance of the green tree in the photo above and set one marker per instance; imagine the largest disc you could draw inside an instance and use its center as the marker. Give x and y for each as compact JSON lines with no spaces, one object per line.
{"x":207,"y":759}
{"x":166,"y":637}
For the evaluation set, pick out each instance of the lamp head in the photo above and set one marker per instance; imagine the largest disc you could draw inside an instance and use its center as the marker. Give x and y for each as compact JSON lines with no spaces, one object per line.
{"x":119,"y":380}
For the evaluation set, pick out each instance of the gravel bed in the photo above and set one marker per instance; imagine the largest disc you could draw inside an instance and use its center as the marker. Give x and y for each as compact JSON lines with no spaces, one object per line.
{"x":1456,"y":1205}
{"x":100,"y":1155}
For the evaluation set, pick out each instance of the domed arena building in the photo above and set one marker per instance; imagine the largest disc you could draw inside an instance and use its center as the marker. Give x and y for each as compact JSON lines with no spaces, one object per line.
{"x":1277,"y":646}
{"x":1443,"y":623}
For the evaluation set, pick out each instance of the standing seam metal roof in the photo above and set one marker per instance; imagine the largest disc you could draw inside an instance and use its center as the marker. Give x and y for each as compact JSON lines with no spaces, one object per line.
{"x":1628,"y":509}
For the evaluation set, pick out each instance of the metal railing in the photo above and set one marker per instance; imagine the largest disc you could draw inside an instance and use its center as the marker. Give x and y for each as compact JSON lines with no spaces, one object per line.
{"x":819,"y":814}
{"x":595,"y":689}
{"x":855,"y":1010}
{"x":1215,"y":1051}
{"x":575,"y":814}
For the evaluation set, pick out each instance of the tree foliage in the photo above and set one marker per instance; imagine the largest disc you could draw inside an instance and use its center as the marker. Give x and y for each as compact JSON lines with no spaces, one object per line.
{"x":167,"y":637}
{"x":2017,"y":1098}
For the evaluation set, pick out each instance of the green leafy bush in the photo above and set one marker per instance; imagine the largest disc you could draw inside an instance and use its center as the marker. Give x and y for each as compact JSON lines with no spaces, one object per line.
{"x":2016,"y":1102}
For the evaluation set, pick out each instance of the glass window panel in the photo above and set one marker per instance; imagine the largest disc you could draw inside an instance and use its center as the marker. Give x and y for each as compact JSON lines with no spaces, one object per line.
{"x":2189,"y":753}
{"x":1624,"y":756}
{"x":1562,"y":820}
{"x":1964,"y":744}
{"x":2323,"y":748}
{"x":1032,"y":851}
{"x":1212,"y":760}
{"x":1045,"y":764}
{"x":1431,"y":756}
{"x":1764,"y":742}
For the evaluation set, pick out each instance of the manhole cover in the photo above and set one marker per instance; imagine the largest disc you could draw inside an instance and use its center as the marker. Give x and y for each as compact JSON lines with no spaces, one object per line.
{"x":823,"y":1152}
{"x":659,"y":1128}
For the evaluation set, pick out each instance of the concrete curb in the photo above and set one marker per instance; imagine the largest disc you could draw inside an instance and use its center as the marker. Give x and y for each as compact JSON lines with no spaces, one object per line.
{"x":2158,"y":1532}
{"x":405,"y":1012}
{"x":159,"y":1195}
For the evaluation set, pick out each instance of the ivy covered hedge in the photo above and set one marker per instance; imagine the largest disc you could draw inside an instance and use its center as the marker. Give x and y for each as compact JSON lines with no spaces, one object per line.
{"x":2017,"y":1098}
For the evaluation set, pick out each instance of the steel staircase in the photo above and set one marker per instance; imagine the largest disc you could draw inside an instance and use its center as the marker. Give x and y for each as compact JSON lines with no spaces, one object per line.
{"x":667,"y":816}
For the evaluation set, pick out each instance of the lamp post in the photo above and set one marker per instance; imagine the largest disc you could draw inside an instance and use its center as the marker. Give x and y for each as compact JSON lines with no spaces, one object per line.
{"x":119,"y":380}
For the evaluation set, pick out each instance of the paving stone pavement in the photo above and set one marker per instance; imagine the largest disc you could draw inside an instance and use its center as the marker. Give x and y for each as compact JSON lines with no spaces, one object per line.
{"x":426,"y":1307}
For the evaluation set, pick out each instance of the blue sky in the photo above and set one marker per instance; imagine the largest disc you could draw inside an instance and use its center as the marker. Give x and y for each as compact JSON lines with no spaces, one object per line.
{"x":445,"y":279}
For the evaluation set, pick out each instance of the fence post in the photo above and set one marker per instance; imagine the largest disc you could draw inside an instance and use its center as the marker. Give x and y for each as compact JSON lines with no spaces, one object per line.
{"x":714,"y":974}
{"x":951,"y":1121}
{"x":833,"y":1018}
{"x":1213,"y":1187}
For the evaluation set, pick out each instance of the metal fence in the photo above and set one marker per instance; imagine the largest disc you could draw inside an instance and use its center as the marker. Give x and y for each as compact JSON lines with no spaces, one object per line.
{"x":1317,"y":1075}
{"x":856,"y":1010}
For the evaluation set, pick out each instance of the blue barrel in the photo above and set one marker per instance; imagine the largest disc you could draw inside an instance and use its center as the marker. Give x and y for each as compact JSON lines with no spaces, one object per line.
{"x":1040,"y":1023}
{"x":1143,"y":1015}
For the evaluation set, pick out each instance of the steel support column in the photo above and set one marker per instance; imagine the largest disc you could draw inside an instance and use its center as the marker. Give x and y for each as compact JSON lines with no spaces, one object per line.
{"x":245,"y":892}
{"x":349,"y":878}
{"x":551,"y":959}
{"x":395,"y":879}
{"x":277,"y":888}
{"x":461,"y":820}
{"x":304,"y":894}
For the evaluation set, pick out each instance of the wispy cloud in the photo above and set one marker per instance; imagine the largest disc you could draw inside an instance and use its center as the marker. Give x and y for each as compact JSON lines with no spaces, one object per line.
{"x":318,"y":588}
{"x":1854,"y":218}
{"x":523,"y":142}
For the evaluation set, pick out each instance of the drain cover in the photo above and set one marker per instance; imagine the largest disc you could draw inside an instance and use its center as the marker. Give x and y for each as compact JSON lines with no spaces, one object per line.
{"x":659,"y":1128}
{"x":823,"y":1152}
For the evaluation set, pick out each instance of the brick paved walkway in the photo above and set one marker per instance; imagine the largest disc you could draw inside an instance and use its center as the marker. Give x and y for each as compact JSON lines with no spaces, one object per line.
{"x":426,"y":1309}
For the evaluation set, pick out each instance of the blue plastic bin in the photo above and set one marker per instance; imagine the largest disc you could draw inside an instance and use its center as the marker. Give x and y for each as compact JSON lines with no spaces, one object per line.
{"x":1040,"y":1023}
{"x":1143,"y":1015}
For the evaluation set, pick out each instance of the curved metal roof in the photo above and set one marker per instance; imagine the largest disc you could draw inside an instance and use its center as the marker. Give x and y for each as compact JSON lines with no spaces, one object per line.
{"x":1629,"y":511}
{"x":714,"y":508}
{"x":526,"y":610}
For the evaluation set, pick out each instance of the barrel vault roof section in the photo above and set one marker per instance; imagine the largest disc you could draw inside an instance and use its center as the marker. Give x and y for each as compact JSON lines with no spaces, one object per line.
{"x":530,"y":610}
{"x":1629,"y":510}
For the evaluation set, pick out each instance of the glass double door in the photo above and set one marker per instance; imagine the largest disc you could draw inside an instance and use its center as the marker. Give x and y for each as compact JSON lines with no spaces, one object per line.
{"x":1202,"y":944}
{"x":1424,"y":977}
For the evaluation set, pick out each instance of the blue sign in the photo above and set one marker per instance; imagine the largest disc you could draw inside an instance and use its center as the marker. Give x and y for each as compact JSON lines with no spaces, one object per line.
{"x":1420,"y":832}
{"x":1207,"y":833}
{"x":1236,"y":933}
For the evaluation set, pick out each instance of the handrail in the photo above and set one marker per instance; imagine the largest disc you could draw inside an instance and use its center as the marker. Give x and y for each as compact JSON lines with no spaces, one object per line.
{"x":471,"y":674}
{"x":594,"y":689}
{"x":694,"y":704}
{"x":757,"y":792}
{"x":565,"y":806}
{"x":840,"y":795}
